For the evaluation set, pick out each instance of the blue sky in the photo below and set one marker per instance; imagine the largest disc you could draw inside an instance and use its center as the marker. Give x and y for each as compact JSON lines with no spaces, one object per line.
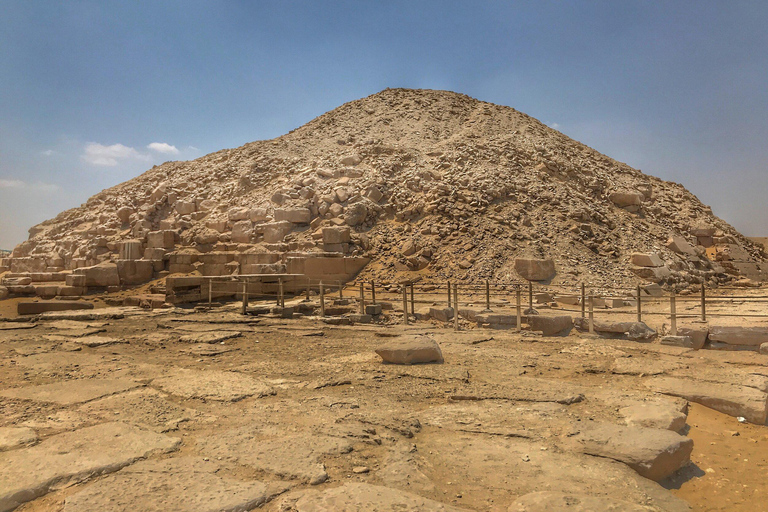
{"x":95,"y":92}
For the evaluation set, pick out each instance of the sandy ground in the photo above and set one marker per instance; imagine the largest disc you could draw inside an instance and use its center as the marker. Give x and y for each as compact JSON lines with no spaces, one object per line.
{"x":403,"y":424}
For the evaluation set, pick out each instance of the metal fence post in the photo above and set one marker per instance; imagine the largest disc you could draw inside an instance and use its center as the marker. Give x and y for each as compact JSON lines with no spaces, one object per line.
{"x":280,"y":297}
{"x":210,"y":292}
{"x":673,"y":314}
{"x":583,"y":300}
{"x":405,"y":304}
{"x":487,"y":295}
{"x":639,"y":306}
{"x":530,"y":295}
{"x":322,"y":300}
{"x":450,"y":304}
{"x":519,"y":301}
{"x":455,"y":307}
{"x":373,"y":292}
{"x":245,"y":297}
{"x":362,"y":298}
{"x":591,"y":314}
{"x":309,"y":286}
{"x":413,"y":301}
{"x":703,"y":303}
{"x":341,"y":290}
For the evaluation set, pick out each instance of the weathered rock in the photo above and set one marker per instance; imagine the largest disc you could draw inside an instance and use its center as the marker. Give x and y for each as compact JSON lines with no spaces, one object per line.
{"x":646,"y":260}
{"x":727,"y":398}
{"x":297,"y":457}
{"x":43,"y":306}
{"x":441,"y":314}
{"x":653,"y":453}
{"x":355,"y":214}
{"x":534,"y":269}
{"x":211,"y":385}
{"x":625,"y":199}
{"x":554,"y":501}
{"x":100,"y":276}
{"x":336,"y":235}
{"x":4,"y":293}
{"x":698,"y":335}
{"x":180,"y":484}
{"x":13,"y":437}
{"x":748,"y":336}
{"x":633,"y":330}
{"x":354,"y":497}
{"x":71,"y":457}
{"x":680,"y":245}
{"x":71,"y":391}
{"x":99,"y":341}
{"x":419,"y":350}
{"x":679,"y":341}
{"x":550,"y":325}
{"x":210,"y":337}
{"x":293,"y":215}
{"x":133,"y":272}
{"x":654,"y":415}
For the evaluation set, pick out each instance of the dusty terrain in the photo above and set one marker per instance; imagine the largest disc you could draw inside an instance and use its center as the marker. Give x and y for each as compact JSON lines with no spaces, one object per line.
{"x":151,"y":412}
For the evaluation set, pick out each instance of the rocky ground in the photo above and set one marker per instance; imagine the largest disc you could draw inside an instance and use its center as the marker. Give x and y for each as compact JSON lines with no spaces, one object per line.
{"x":178,"y":409}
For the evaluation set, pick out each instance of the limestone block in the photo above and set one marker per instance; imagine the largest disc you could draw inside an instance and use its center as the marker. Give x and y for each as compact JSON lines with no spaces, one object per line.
{"x":550,"y":325}
{"x":71,"y":291}
{"x":355,"y":214}
{"x":258,"y":214}
{"x":654,"y":453}
{"x":102,"y":275}
{"x":351,"y":160}
{"x":43,"y":306}
{"x":185,"y":207}
{"x":135,"y":271}
{"x":654,"y":415}
{"x":124,"y":214}
{"x":420,"y":350}
{"x":703,"y":230}
{"x":680,"y":245}
{"x":293,"y":215}
{"x":678,"y":341}
{"x":4,"y":293}
{"x":373,"y":309}
{"x":336,"y":235}
{"x":646,"y":260}
{"x":154,"y":253}
{"x":207,"y":237}
{"x":747,"y":336}
{"x":165,"y":239}
{"x":655,"y":274}
{"x":698,"y":336}
{"x":441,"y":314}
{"x":242,"y":231}
{"x":534,"y":269}
{"x":217,"y":225}
{"x":130,"y":249}
{"x":275,"y":232}
{"x":374,"y":194}
{"x":335,"y":210}
{"x":625,"y":199}
{"x":46,"y":291}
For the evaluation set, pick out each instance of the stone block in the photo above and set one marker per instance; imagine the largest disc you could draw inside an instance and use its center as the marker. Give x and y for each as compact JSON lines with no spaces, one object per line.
{"x":293,"y":215}
{"x":38,"y":307}
{"x":336,"y":235}
{"x":100,"y":276}
{"x":646,"y":260}
{"x":745,"y":336}
{"x":135,"y":271}
{"x":441,"y":314}
{"x":275,"y":232}
{"x":46,"y":291}
{"x":71,"y":291}
{"x":680,"y":245}
{"x":550,"y":325}
{"x":373,"y":309}
{"x":242,"y":231}
{"x":420,"y":350}
{"x":626,"y":199}
{"x":185,"y":207}
{"x":130,"y":249}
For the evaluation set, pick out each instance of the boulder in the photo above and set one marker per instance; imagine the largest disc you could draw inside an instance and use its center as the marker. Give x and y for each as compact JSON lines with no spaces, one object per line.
{"x":632,"y":330}
{"x":550,"y":325}
{"x":555,"y":501}
{"x":124,"y":214}
{"x":729,"y":399}
{"x":275,"y":232}
{"x":745,"y":336}
{"x":355,"y":214}
{"x":336,"y":235}
{"x":680,"y":245}
{"x":679,"y":341}
{"x":654,"y":415}
{"x":165,"y":239}
{"x":419,"y":350}
{"x":351,"y":160}
{"x":408,"y":248}
{"x":238,"y":213}
{"x":654,"y":453}
{"x":185,"y":207}
{"x":626,"y":199}
{"x":534,"y":269}
{"x":698,"y":336}
{"x":242,"y":231}
{"x":646,"y":260}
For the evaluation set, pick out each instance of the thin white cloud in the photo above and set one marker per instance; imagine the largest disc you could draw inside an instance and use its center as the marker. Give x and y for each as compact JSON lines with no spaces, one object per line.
{"x":193,"y":148}
{"x":11,"y":183}
{"x":37,"y":186}
{"x":48,"y":152}
{"x":109,"y":156}
{"x":163,"y":147}
{"x":555,"y":126}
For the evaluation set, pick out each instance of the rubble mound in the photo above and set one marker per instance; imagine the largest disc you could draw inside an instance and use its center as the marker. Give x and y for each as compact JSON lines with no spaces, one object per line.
{"x":403,"y":183}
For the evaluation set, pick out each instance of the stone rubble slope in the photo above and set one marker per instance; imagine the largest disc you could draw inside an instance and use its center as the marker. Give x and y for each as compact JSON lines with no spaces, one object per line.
{"x":424,"y":182}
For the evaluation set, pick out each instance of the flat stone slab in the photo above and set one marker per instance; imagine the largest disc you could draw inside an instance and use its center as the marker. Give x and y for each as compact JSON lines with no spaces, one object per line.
{"x":553,"y":501}
{"x":414,"y":351}
{"x":354,"y":497}
{"x":653,"y":453}
{"x":71,"y":392}
{"x":212,"y":385}
{"x":210,"y":337}
{"x":13,"y":437}
{"x":743,"y":336}
{"x":204,"y":349}
{"x":296,"y":457}
{"x":184,"y":484}
{"x":98,"y":341}
{"x":654,"y":415}
{"x":145,"y":407}
{"x":29,"y":473}
{"x":550,"y":325}
{"x":729,"y":399}
{"x":13,"y":326}
{"x":44,"y":306}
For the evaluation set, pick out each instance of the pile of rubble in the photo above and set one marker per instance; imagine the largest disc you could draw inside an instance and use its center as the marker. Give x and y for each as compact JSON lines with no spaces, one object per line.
{"x":428,"y":184}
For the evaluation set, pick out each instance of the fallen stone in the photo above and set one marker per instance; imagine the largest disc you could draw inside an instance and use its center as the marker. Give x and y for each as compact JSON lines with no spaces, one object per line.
{"x":632,"y":330}
{"x":296,"y":457}
{"x":100,"y":276}
{"x":441,"y":314}
{"x":626,"y":199}
{"x":13,"y":326}
{"x":210,"y":337}
{"x":143,"y":407}
{"x":206,"y":349}
{"x":373,"y":309}
{"x":71,"y":392}
{"x":654,"y":415}
{"x":550,"y":325}
{"x":13,"y":437}
{"x":29,"y":473}
{"x":697,"y":335}
{"x":680,"y":245}
{"x":98,"y":341}
{"x":749,"y":336}
{"x":729,"y":399}
{"x":679,"y":341}
{"x":654,"y":453}
{"x":420,"y":350}
{"x":354,"y":497}
{"x":187,"y":483}
{"x":646,"y":260}
{"x":212,"y":385}
{"x":554,"y":501}
{"x":534,"y":269}
{"x":43,"y":306}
